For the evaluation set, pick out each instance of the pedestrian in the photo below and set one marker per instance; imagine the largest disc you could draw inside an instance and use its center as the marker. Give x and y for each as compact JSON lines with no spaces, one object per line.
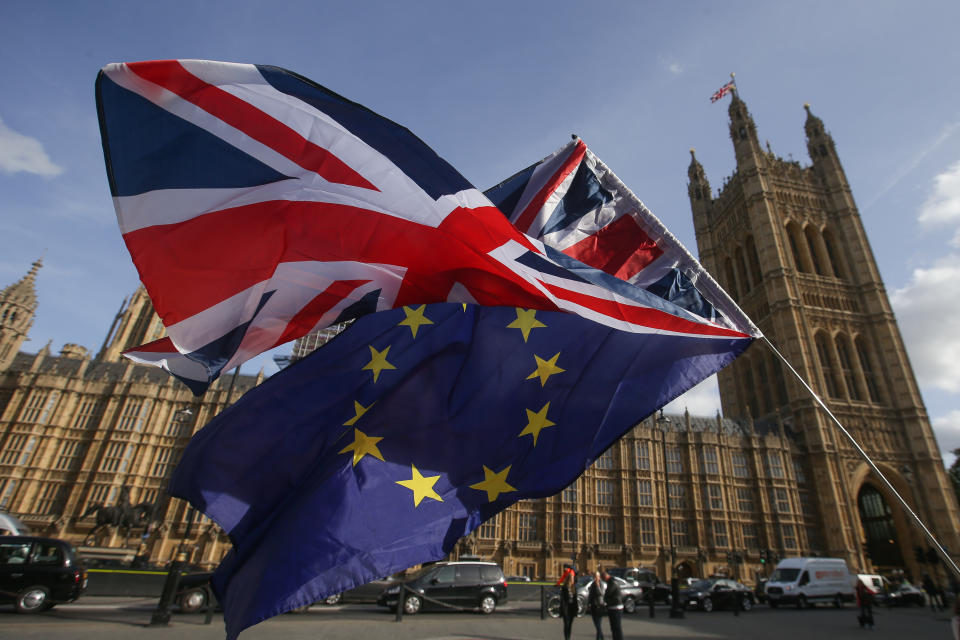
{"x":865,"y":602}
{"x":598,"y":608}
{"x":568,"y":602}
{"x":613,"y":598}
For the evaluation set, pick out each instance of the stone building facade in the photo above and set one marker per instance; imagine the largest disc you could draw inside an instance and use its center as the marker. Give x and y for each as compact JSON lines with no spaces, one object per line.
{"x":78,"y":430}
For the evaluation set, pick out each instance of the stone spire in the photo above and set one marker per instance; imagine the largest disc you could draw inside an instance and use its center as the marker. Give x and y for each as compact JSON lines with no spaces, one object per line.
{"x":24,"y":291}
{"x":18,"y":304}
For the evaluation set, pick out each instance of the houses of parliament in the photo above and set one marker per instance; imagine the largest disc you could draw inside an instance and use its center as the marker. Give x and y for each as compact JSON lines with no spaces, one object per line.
{"x":693,"y":495}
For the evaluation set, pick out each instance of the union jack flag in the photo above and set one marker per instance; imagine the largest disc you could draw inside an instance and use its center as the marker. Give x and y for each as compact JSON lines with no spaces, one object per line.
{"x":259,"y":206}
{"x":722,"y":91}
{"x":573,"y":203}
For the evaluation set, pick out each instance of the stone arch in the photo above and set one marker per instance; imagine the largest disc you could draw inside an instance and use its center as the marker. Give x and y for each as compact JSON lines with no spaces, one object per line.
{"x":848,"y":367}
{"x":798,"y":248}
{"x":828,"y":364}
{"x":812,"y":235}
{"x":903,"y":529}
{"x":835,"y":259}
{"x":866,"y":358}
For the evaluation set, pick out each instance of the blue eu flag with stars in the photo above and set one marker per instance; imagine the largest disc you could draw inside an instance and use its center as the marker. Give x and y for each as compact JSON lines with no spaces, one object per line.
{"x":403,"y":434}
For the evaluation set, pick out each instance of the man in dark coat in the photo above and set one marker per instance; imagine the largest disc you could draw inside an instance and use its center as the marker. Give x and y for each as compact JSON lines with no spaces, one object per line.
{"x":614,"y":601}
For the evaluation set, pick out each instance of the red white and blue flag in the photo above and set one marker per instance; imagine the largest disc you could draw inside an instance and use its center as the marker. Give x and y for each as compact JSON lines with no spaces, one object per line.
{"x":259,"y":206}
{"x":722,"y":91}
{"x":573,"y":203}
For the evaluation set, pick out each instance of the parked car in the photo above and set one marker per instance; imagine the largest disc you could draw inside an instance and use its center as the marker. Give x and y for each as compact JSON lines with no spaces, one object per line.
{"x":905,"y":595}
{"x":653,"y":587}
{"x":459,"y":585}
{"x":518,"y":578}
{"x":37,"y":574}
{"x":365,"y":594}
{"x":717,"y":593}
{"x":194,"y":592}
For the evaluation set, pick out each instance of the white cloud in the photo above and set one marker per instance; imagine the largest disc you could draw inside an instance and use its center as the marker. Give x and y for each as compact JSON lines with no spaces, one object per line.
{"x":671,"y":65}
{"x":947,"y":428}
{"x":702,"y":400}
{"x":928,"y":307}
{"x":928,"y":311}
{"x":942,"y":207}
{"x":23,"y":153}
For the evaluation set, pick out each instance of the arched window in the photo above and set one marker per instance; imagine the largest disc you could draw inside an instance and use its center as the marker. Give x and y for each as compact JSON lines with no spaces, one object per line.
{"x":827,"y":366}
{"x":811,"y":233}
{"x":869,"y":373}
{"x":835,"y":264}
{"x":742,"y":269}
{"x":846,"y":367}
{"x":754,"y":259}
{"x":794,"y":236}
{"x":731,"y":279}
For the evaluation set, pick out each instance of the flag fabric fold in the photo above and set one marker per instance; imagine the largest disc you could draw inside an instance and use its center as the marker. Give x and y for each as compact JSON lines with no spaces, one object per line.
{"x":384,"y":447}
{"x":258,"y":206}
{"x":573,"y":203}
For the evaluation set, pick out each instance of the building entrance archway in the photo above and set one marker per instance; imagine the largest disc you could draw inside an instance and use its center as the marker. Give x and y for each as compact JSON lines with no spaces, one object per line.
{"x":881,"y":532}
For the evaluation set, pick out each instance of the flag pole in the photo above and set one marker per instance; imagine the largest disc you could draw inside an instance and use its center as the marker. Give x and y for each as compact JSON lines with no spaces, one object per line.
{"x":943,"y":553}
{"x":733,"y":89}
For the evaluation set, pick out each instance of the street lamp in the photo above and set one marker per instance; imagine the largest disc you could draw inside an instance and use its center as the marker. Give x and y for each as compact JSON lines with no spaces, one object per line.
{"x":675,"y":610}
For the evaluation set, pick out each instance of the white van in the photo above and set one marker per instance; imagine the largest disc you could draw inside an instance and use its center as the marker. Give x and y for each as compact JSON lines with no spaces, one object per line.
{"x":806,"y":581}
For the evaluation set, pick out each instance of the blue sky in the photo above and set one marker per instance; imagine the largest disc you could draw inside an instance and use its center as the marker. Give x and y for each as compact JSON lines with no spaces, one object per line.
{"x":494,"y":86}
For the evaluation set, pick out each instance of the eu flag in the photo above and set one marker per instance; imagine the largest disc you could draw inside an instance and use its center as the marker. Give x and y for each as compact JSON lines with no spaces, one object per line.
{"x":381,"y":449}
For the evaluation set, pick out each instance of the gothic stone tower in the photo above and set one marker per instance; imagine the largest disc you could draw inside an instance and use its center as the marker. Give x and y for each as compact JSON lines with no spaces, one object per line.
{"x":18,"y":304}
{"x":788,"y":244}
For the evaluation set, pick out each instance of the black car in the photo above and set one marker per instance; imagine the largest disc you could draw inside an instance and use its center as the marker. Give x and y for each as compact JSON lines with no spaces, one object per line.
{"x":450,"y":585}
{"x":38,"y":573}
{"x":717,"y":593}
{"x":647,"y":580}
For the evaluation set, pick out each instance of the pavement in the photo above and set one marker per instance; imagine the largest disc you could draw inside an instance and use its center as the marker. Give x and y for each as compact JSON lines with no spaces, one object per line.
{"x":101,"y":618}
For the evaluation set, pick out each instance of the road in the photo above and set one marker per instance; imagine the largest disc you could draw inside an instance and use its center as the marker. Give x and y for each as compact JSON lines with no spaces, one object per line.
{"x":127,"y":619}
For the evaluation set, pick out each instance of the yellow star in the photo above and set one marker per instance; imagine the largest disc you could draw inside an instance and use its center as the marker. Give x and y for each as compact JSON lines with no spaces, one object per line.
{"x":421,"y":486}
{"x":545,"y":369}
{"x":536,"y":422}
{"x":378,"y":362}
{"x":360,"y":410}
{"x":526,"y":320}
{"x":494,"y":483}
{"x":363,"y":445}
{"x":415,"y":318}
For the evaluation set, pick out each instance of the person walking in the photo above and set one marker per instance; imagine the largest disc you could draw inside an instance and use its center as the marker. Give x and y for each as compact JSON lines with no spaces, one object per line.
{"x":613,"y":598}
{"x":598,"y":608}
{"x":568,"y":603}
{"x":865,"y":602}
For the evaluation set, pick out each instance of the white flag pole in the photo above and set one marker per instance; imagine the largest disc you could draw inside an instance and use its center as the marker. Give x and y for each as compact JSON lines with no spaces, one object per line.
{"x":916,"y":518}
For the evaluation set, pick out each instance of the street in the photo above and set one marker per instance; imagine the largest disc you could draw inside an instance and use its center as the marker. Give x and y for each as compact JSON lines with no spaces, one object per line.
{"x":95,"y":618}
